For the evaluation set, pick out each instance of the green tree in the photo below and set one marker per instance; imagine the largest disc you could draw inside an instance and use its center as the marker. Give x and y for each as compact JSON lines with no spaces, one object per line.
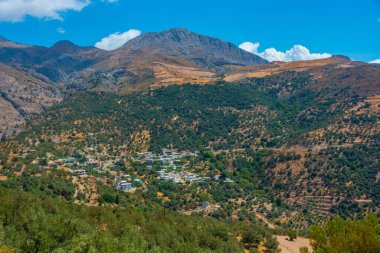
{"x":292,"y":235}
{"x":349,"y":236}
{"x":251,"y":236}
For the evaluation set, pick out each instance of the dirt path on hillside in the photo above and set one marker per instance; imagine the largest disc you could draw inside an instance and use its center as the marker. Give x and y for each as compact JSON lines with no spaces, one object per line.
{"x":266,"y":221}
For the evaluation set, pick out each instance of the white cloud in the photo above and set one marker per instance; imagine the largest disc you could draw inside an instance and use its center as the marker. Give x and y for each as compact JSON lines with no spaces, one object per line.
{"x":116,"y":40}
{"x":375,"y":61}
{"x":271,"y":54}
{"x":301,"y":53}
{"x":110,"y":1}
{"x":16,"y":10}
{"x":61,"y":30}
{"x":250,"y":47}
{"x":296,"y":53}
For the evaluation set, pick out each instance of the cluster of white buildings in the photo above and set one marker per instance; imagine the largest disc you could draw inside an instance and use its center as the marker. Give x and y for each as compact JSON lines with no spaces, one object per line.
{"x":77,"y":166}
{"x":73,"y":162}
{"x":79,"y":172}
{"x":180,"y":176}
{"x":124,"y":186}
{"x":125,"y":183}
{"x":168,"y":160}
{"x":168,"y":157}
{"x":225,"y":180}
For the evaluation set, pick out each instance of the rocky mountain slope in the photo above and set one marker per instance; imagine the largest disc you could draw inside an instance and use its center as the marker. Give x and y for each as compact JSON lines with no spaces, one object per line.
{"x":158,"y":59}
{"x":155,"y":60}
{"x":152,"y":60}
{"x":22,"y":94}
{"x":7,"y":43}
{"x":205,"y":51}
{"x":57,"y":62}
{"x":173,"y":56}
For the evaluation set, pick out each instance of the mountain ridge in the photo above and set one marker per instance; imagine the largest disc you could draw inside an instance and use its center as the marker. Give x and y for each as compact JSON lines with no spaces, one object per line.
{"x":150,"y":61}
{"x":206,"y":51}
{"x":71,"y":65}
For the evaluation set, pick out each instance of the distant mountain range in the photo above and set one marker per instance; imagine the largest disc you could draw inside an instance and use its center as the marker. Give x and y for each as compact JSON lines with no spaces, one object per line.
{"x":65,"y":58}
{"x":56,"y":62}
{"x":152,"y":60}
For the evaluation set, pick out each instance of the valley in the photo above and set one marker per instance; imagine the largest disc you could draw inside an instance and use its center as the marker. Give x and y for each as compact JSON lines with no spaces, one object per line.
{"x":189,"y":130}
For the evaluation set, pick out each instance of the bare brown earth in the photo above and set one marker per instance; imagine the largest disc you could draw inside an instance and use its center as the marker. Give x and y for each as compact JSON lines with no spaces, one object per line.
{"x":170,"y":69}
{"x":143,"y":69}
{"x":278,"y":67}
{"x":374,"y":101}
{"x":287,"y":246}
{"x":148,"y":70}
{"x":141,"y":139}
{"x":167,"y":74}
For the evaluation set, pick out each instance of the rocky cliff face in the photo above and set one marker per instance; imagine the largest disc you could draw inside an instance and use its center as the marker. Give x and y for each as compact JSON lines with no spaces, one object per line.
{"x":203,"y":50}
{"x":23,"y":94}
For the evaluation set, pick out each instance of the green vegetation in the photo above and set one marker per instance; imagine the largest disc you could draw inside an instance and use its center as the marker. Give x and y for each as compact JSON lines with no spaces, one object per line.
{"x":35,"y":224}
{"x":46,"y":185}
{"x":292,"y":235}
{"x":270,"y":150}
{"x":349,"y":236}
{"x":193,"y":116}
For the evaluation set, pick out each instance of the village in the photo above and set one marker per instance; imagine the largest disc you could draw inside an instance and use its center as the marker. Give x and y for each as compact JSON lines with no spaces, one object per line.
{"x":170,"y":166}
{"x":94,"y":173}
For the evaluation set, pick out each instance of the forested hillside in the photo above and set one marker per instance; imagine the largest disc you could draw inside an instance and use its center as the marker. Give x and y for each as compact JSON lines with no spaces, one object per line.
{"x":37,"y":224}
{"x":292,"y":146}
{"x":285,"y":151}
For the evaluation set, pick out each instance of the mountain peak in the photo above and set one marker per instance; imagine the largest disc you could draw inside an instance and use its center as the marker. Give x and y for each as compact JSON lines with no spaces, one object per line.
{"x":64,"y":42}
{"x":66,"y":46}
{"x":178,"y":29}
{"x":203,"y":50}
{"x":343,"y":57}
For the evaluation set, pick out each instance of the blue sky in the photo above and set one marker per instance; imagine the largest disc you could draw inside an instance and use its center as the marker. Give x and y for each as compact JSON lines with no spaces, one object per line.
{"x":348,"y":27}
